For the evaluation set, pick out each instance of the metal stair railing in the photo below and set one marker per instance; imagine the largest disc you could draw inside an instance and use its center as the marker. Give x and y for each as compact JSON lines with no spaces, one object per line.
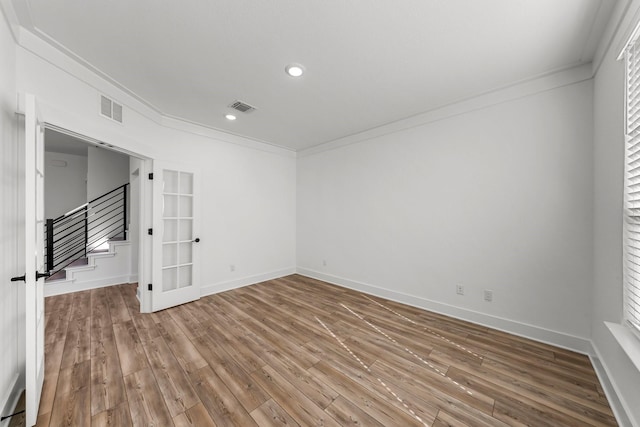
{"x":73,"y":235}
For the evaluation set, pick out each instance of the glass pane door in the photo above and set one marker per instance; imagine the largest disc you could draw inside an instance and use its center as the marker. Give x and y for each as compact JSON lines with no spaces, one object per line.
{"x":177,"y":237}
{"x":175,"y":245}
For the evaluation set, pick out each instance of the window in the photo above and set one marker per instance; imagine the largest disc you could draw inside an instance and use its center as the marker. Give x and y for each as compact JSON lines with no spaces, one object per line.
{"x":632,"y":186}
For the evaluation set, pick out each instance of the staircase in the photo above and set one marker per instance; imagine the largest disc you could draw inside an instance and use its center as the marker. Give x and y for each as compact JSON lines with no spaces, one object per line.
{"x":87,"y":247}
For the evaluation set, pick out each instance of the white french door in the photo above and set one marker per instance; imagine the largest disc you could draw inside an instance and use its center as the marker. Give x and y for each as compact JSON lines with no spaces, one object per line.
{"x":34,"y":258}
{"x":176,"y":273}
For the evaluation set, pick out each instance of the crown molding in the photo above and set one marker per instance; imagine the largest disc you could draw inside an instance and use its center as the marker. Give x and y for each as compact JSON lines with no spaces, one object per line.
{"x":47,"y":49}
{"x":529,"y":87}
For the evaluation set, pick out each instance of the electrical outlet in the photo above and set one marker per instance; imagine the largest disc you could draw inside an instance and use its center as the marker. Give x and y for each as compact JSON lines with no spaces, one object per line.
{"x":488,"y":295}
{"x":459,"y":289}
{"x":232,"y":267}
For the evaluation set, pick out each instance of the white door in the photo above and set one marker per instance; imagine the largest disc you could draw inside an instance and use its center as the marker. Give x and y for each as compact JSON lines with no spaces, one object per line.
{"x":176,"y":274}
{"x":34,"y":257}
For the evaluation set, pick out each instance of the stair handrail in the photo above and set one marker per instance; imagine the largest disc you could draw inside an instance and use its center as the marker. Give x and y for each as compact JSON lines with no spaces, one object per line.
{"x":89,"y":202}
{"x":70,"y":213}
{"x":71,"y":236}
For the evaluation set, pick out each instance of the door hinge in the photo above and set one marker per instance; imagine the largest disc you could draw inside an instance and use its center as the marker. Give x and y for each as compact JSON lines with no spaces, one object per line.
{"x":151,"y":175}
{"x":150,"y":287}
{"x":150,"y":231}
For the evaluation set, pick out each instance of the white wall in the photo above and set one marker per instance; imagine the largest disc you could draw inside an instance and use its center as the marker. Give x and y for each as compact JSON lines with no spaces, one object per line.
{"x":607,"y":208}
{"x":497,"y":197}
{"x":248,"y":205}
{"x":107,"y":170}
{"x":65,"y":184}
{"x":12,"y":301}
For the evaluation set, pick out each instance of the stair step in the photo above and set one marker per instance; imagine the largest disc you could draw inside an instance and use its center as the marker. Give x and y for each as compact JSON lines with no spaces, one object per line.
{"x":82,"y":264}
{"x":81,"y":261}
{"x":98,"y":251}
{"x":60,"y":275}
{"x":49,"y":283}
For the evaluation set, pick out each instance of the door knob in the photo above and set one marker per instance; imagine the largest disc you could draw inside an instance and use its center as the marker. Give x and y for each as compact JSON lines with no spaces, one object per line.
{"x":40,"y":275}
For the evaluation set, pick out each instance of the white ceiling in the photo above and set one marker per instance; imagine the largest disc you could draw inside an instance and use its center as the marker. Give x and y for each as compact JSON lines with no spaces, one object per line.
{"x":62,"y":143}
{"x":368,"y":62}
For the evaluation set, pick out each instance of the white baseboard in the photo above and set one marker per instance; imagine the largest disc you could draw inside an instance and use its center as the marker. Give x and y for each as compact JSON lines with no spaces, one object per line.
{"x":559,"y":339}
{"x":76,"y":286}
{"x":11,"y":399}
{"x":611,"y":390}
{"x":245,"y":281}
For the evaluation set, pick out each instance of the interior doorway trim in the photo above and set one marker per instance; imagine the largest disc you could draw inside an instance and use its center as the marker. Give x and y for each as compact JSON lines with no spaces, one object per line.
{"x":145,"y":203}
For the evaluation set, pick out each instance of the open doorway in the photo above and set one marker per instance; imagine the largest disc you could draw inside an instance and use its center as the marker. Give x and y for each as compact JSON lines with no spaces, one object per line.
{"x":94,"y":204}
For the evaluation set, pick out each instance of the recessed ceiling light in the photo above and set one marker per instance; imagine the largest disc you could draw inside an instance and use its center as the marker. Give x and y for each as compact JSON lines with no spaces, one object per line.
{"x":230,"y":117}
{"x":294,"y":70}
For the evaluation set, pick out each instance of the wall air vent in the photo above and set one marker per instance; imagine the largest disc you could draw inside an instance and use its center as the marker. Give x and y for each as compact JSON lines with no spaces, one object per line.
{"x":110,"y":109}
{"x":243,"y":107}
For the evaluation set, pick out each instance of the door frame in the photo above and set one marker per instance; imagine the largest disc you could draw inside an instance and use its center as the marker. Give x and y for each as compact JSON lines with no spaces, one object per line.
{"x":145,"y":259}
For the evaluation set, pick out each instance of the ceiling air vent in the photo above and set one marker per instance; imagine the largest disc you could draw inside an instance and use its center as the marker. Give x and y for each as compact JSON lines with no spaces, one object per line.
{"x":110,"y":109}
{"x":243,"y":107}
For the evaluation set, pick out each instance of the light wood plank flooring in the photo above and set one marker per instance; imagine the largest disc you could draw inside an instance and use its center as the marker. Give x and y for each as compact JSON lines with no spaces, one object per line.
{"x":297,"y":351}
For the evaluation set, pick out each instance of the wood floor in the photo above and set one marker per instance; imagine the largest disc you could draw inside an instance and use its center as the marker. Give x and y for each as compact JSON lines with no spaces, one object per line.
{"x":296,"y":351}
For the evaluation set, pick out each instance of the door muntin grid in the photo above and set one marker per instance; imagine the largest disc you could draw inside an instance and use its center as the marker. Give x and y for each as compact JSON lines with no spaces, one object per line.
{"x":177,"y":235}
